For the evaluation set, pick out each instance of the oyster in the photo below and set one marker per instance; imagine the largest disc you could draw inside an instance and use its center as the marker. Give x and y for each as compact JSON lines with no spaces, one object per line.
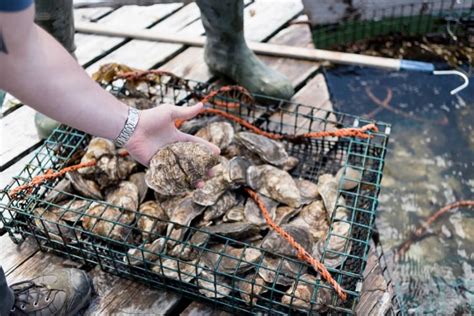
{"x":58,"y":192}
{"x":97,"y":148}
{"x":313,"y":216}
{"x":177,"y":167}
{"x":108,"y":221}
{"x":212,"y":285}
{"x":254,"y":215}
{"x":335,"y":245}
{"x":177,"y":269}
{"x":268,"y":150}
{"x":349,"y":178}
{"x":181,"y":211}
{"x":145,"y":253}
{"x":87,"y":188}
{"x":227,"y":201}
{"x":251,"y":287}
{"x":290,"y":163}
{"x":273,"y":242}
{"x":236,"y":172}
{"x":235,"y":214}
{"x":125,"y":195}
{"x":71,"y":210}
{"x":197,"y":123}
{"x":301,"y":295}
{"x":110,"y":170}
{"x":139,"y":180}
{"x":283,"y":214}
{"x":152,"y":219}
{"x":233,"y":150}
{"x":220,"y":134}
{"x":227,"y":259}
{"x":51,"y":225}
{"x":308,"y":190}
{"x":282,"y":271}
{"x":211,"y":192}
{"x":327,"y":186}
{"x":275,"y":183}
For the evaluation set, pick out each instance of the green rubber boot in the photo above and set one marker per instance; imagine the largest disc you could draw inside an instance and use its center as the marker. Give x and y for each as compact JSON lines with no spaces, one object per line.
{"x":227,"y":54}
{"x":56,"y":18}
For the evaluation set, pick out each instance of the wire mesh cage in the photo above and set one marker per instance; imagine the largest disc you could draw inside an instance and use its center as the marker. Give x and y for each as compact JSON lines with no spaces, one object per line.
{"x":441,"y":20}
{"x":222,"y":264}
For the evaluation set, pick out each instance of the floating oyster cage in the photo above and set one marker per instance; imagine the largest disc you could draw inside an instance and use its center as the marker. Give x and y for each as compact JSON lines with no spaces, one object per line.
{"x":227,"y":280}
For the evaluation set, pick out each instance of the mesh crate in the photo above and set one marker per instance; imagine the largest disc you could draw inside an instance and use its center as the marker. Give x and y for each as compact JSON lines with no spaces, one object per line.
{"x":441,"y":20}
{"x":220,"y":274}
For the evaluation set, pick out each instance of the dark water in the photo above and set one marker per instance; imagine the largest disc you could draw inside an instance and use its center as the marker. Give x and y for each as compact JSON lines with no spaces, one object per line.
{"x":430,"y":163}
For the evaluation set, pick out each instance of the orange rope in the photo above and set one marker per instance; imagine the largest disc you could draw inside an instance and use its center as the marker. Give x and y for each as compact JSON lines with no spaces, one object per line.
{"x":302,"y":253}
{"x":421,"y":230}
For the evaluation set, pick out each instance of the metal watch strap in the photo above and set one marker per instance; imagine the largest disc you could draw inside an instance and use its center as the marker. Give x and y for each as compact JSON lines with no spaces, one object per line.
{"x":129,"y":128}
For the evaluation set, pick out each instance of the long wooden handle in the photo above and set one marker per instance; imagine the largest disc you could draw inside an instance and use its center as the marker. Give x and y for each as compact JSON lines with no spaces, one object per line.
{"x":259,"y":48}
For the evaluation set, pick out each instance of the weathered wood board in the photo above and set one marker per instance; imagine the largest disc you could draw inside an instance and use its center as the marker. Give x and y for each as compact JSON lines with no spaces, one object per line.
{"x":89,"y":47}
{"x":200,"y":309}
{"x":18,"y":135}
{"x":14,"y":255}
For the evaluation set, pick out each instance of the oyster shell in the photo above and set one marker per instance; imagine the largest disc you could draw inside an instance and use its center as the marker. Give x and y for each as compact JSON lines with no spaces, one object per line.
{"x":349,"y":178}
{"x":107,"y":221}
{"x":280,"y":270}
{"x":197,"y":123}
{"x":335,"y":245}
{"x":220,"y":134}
{"x":236,"y":172}
{"x":232,"y":150}
{"x":177,"y":269}
{"x":125,"y":195}
{"x":110,"y":170}
{"x":139,"y":180}
{"x":97,"y":148}
{"x":235,"y":214}
{"x":145,"y":253}
{"x":273,"y":242}
{"x":290,"y":163}
{"x":283,"y":214}
{"x":300,"y":295}
{"x":308,"y":190}
{"x":251,"y":288}
{"x":181,"y":211}
{"x":50,"y":224}
{"x":275,"y":183}
{"x":327,"y":186}
{"x":177,"y":167}
{"x":254,"y":215}
{"x":314,"y":217}
{"x":71,"y":210}
{"x":87,"y":188}
{"x":152,"y":219}
{"x":58,"y":192}
{"x":227,"y":201}
{"x":214,"y":286}
{"x":227,"y":259}
{"x":267,"y":149}
{"x":211,"y":192}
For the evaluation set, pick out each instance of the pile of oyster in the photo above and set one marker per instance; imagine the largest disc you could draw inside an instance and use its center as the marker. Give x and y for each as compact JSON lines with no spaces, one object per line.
{"x":213,"y":235}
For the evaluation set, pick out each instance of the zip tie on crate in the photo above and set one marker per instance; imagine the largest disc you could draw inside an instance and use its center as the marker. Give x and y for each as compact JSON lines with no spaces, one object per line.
{"x":421,"y":230}
{"x":302,"y":253}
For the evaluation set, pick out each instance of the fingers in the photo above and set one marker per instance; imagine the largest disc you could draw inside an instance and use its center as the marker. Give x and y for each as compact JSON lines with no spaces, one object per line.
{"x":190,"y":138}
{"x":186,"y":112}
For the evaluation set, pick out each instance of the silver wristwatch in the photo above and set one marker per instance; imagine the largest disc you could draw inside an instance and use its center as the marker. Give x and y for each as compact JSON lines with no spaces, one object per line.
{"x":129,"y":128}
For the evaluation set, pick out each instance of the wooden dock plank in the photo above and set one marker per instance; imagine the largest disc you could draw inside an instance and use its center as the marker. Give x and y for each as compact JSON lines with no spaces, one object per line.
{"x":201,"y":309}
{"x":18,"y":134}
{"x":14,"y":255}
{"x":7,"y":175}
{"x":90,"y":47}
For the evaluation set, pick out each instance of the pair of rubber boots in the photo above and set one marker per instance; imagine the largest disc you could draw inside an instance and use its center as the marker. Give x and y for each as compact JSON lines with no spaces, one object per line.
{"x":226,"y":52}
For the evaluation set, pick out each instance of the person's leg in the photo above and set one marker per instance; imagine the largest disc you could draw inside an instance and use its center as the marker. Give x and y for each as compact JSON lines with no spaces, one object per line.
{"x":227,"y":54}
{"x":56,"y":18}
{"x":6,"y":295}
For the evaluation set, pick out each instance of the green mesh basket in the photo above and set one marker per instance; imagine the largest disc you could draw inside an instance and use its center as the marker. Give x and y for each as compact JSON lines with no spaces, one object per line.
{"x":223,"y":275}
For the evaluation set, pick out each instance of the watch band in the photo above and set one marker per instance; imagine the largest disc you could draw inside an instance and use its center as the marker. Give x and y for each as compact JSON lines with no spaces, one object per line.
{"x":129,"y":127}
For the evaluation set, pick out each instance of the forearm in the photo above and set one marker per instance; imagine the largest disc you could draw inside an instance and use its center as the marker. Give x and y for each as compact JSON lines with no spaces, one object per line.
{"x":39,"y":72}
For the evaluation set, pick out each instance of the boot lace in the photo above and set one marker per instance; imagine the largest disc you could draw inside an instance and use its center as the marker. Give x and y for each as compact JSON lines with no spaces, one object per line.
{"x":23,"y":290}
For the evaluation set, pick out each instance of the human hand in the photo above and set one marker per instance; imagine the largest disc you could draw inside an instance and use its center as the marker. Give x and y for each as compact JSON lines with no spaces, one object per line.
{"x":156,"y":128}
